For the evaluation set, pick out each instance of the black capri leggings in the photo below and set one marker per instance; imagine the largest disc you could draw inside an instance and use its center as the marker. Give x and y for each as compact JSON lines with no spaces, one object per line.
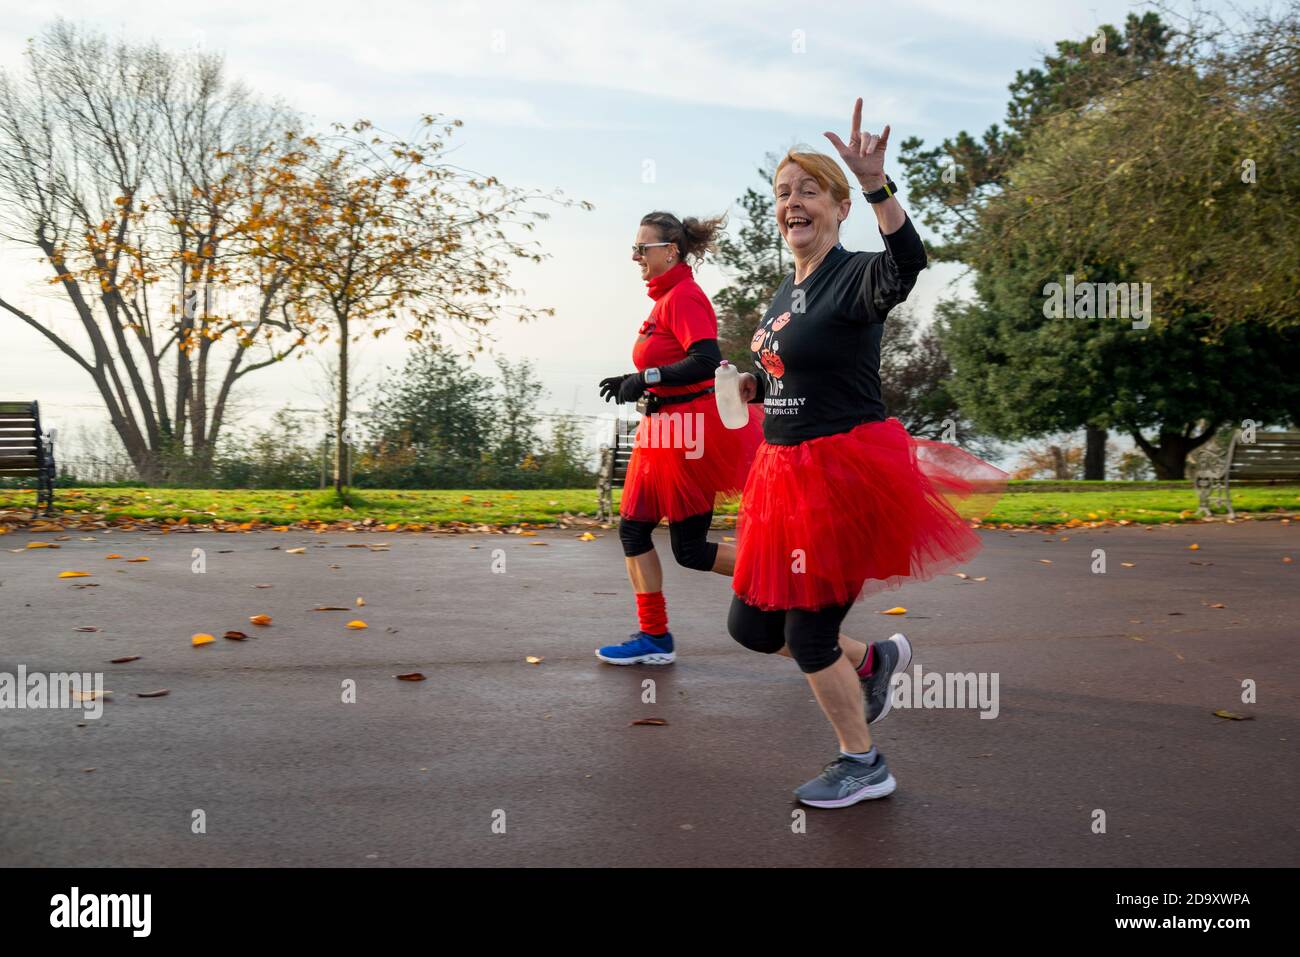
{"x":812,"y":636}
{"x":690,"y":540}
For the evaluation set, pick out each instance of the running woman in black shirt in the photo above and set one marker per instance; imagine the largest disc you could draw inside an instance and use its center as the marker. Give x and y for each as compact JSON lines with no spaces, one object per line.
{"x":840,"y":500}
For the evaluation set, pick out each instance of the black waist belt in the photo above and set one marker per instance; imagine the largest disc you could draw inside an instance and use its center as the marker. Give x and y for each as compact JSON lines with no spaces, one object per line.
{"x":651,"y":402}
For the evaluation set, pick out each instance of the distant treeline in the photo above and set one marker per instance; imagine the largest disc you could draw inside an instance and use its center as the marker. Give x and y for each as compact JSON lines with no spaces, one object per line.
{"x":436,"y":423}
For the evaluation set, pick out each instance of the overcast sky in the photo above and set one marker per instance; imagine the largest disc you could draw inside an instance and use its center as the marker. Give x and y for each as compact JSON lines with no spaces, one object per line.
{"x":577,"y":96}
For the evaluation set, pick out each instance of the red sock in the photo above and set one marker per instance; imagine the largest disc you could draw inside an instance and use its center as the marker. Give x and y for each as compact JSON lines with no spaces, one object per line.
{"x":652,"y":612}
{"x":864,"y":669}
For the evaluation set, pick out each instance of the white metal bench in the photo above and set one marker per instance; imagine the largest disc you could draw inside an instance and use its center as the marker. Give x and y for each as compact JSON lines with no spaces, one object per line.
{"x":1267,"y":457}
{"x":613,"y":465}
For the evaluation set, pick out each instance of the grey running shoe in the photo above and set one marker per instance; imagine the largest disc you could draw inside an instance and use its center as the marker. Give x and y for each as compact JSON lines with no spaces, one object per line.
{"x":890,"y":657}
{"x":845,"y":781}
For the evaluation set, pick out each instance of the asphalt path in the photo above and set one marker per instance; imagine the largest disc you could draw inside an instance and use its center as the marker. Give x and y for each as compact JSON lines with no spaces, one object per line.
{"x":1107,"y":688}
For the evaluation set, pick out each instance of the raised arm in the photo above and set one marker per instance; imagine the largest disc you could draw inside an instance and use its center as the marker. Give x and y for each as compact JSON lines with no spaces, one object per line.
{"x":864,"y":155}
{"x":891,"y":274}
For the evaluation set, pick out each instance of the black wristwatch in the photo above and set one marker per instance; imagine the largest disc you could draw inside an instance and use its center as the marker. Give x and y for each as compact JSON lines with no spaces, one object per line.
{"x":882,"y":194}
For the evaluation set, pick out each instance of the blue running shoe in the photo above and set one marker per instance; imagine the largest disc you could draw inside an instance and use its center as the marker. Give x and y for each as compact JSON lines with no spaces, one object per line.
{"x":640,"y":649}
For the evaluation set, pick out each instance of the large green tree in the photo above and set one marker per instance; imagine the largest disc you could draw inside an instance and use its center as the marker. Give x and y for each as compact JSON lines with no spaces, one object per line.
{"x":1122,"y":164}
{"x":949,"y":184}
{"x":1170,"y":386}
{"x":1189,"y":181}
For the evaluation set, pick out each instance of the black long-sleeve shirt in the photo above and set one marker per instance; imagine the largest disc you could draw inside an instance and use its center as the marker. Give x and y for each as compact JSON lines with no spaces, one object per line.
{"x":702,"y":361}
{"x":817,"y":351}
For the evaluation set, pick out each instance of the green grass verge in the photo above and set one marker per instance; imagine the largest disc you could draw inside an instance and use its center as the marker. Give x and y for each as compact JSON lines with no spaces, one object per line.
{"x":1026,"y":503}
{"x":1137,"y":505}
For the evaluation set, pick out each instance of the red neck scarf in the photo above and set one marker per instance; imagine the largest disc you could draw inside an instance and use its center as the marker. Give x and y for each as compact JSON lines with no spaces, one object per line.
{"x":659,"y":285}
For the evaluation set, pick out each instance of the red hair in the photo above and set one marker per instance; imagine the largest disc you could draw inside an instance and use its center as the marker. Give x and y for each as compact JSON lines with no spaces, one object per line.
{"x":820,"y":167}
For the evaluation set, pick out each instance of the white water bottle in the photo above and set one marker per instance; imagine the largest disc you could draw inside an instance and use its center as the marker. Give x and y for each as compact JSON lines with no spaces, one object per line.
{"x":732,"y":408}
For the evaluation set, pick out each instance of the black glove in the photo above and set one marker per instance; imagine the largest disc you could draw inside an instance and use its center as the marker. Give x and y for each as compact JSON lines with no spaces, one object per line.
{"x":623,"y":388}
{"x":632,"y":388}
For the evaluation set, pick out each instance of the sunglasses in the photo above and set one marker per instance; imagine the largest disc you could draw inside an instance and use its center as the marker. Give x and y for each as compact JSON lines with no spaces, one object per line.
{"x":638,"y":249}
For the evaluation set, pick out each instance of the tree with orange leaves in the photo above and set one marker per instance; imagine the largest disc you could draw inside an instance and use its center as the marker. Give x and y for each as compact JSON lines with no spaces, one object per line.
{"x":376,"y":233}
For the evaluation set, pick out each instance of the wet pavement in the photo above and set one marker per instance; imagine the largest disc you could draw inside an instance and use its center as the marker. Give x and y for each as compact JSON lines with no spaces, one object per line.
{"x":1107,"y":688}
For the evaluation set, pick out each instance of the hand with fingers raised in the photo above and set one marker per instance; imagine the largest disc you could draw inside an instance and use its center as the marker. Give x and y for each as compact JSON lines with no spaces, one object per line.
{"x":864,"y":154}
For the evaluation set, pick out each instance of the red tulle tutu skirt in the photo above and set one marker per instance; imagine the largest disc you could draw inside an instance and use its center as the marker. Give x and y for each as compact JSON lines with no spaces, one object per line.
{"x":685,"y":459}
{"x":831,"y":519}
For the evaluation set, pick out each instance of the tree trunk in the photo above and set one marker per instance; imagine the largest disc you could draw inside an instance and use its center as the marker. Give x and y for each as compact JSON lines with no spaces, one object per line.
{"x":1094,"y":456}
{"x":1169,"y":458}
{"x":1059,"y":465}
{"x":147,"y":466}
{"x":341,"y":444}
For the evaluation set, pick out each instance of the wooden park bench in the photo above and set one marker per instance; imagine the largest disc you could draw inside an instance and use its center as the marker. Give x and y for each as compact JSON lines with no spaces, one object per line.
{"x":1270,"y":457}
{"x":26,"y":450}
{"x":613,"y":465}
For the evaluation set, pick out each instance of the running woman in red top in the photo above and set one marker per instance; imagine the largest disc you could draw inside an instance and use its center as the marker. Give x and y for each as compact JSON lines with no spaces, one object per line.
{"x":840,"y":500}
{"x":684,"y":458}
